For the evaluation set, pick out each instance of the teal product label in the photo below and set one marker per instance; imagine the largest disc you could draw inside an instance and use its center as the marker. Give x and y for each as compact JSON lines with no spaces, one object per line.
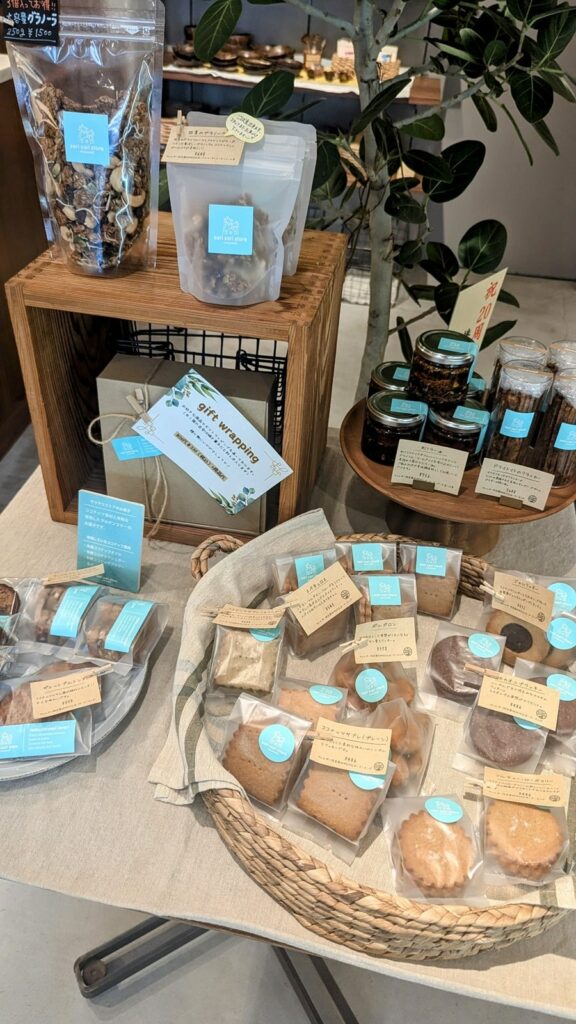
{"x":127,"y":625}
{"x":5,"y":622}
{"x":516,"y":424}
{"x":367,"y":781}
{"x":265,"y":635}
{"x":277,"y":743}
{"x":86,"y":138}
{"x":524,"y":723}
{"x":566,"y":437}
{"x":431,"y":561}
{"x":367,"y":557}
{"x":401,"y":373}
{"x":477,"y":384}
{"x":481,"y":416}
{"x":68,"y":617}
{"x":230,"y":229}
{"x":136,"y":447}
{"x":566,"y":685}
{"x":483,"y":645}
{"x":38,"y":739}
{"x":406,"y":405}
{"x":384,"y":590}
{"x":307,"y":567}
{"x":462,"y":347}
{"x":561,"y":633}
{"x":325,"y":694}
{"x":371,"y":685}
{"x":564,"y":597}
{"x":443,"y":809}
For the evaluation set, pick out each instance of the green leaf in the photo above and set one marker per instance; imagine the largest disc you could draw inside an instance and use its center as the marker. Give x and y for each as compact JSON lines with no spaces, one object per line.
{"x":381,"y":101}
{"x":495,"y":52}
{"x":387,"y":146}
{"x":215,"y":27}
{"x":525,"y":10}
{"x":269,"y":95}
{"x":443,"y":258}
{"x":516,"y":128}
{"x":546,"y":135}
{"x":404,"y":339}
{"x":431,"y":127}
{"x":454,"y":51}
{"x":421,"y":291}
{"x":464,"y":159}
{"x":434,"y":167}
{"x":400,"y":184}
{"x":482,"y":247}
{"x":409,"y":253}
{"x":334,"y":186}
{"x":555,"y":33}
{"x":405,"y":208}
{"x":486,"y":113}
{"x":327,"y":161}
{"x":532,"y":96}
{"x":507,"y":297}
{"x":497,"y":331}
{"x":472,"y":41}
{"x":558,"y":84}
{"x":445,"y":296}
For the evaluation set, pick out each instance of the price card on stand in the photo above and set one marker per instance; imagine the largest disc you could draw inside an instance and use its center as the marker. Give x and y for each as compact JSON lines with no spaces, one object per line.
{"x":429,"y":467}
{"x":514,"y":485}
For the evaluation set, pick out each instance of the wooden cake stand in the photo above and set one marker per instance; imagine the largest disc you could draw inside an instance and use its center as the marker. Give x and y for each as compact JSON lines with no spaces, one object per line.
{"x":467,"y":521}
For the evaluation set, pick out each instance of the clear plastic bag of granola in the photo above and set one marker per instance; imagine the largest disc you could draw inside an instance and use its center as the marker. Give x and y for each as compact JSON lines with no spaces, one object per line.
{"x":91,"y":111}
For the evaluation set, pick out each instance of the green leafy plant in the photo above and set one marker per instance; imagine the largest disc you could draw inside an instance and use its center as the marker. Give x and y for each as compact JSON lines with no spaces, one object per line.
{"x":502,"y":56}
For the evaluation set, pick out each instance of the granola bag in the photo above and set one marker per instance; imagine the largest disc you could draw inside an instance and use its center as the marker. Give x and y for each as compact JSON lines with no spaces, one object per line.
{"x":91,"y":111}
{"x":243,"y":661}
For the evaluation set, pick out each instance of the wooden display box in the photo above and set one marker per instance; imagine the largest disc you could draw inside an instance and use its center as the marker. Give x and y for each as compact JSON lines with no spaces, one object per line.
{"x":65,"y":332}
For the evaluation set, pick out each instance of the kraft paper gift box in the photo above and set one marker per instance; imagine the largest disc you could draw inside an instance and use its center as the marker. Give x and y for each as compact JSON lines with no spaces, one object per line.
{"x":251,"y":392}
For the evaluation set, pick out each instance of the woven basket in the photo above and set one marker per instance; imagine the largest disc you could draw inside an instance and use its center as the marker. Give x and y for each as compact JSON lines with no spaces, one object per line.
{"x":376,"y":923}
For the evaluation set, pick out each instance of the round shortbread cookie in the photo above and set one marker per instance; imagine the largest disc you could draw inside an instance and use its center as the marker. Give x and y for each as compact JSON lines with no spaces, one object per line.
{"x":525,"y":840}
{"x":437,"y":856}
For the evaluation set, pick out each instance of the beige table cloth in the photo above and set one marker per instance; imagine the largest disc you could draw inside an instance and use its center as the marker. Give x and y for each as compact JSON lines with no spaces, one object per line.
{"x":91,"y":829}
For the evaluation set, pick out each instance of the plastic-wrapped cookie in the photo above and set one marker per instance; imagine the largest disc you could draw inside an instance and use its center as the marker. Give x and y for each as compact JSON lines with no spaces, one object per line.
{"x":385,"y":597}
{"x":438,"y":856}
{"x":312,"y":702}
{"x":9,"y":599}
{"x":245,"y":659}
{"x":330,"y":796}
{"x":523,"y":640}
{"x":561,"y":634}
{"x":369,"y":685}
{"x":500,"y":740}
{"x":525,"y":840}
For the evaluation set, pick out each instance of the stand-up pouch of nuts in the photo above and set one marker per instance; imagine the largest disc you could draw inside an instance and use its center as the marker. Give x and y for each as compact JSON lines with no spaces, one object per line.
{"x":91,"y":111}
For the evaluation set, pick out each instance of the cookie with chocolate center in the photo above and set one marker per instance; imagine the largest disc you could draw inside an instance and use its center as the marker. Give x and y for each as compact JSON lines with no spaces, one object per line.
{"x":522,"y":639}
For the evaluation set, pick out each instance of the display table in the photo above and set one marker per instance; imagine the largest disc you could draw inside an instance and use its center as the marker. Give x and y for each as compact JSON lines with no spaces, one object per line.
{"x":92,"y":829}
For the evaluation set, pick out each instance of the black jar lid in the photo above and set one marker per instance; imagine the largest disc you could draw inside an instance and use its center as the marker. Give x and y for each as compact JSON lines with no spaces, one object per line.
{"x":453,"y":423}
{"x":386,"y":377}
{"x":394,"y":412}
{"x":446,"y":348}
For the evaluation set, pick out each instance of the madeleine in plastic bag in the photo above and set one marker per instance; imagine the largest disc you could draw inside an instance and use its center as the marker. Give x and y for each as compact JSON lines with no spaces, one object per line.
{"x":410,"y":744}
{"x":373,"y":684}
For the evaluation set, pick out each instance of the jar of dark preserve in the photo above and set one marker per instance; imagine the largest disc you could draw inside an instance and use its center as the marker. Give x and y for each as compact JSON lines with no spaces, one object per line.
{"x":388,"y":421}
{"x":390,"y":377}
{"x":441,"y":368}
{"x":465,"y":428}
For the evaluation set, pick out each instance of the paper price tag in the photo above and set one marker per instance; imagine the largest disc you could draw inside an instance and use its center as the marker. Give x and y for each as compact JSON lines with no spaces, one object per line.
{"x":546,"y":790}
{"x":71,"y":575}
{"x":244,"y":127}
{"x":520,"y":698}
{"x":524,"y":599}
{"x":507,"y":480}
{"x":195,"y":145}
{"x":352,"y":748}
{"x":318,"y":601}
{"x":430,"y":463}
{"x":249,"y":618}
{"x":385,"y":640}
{"x":65,"y":693}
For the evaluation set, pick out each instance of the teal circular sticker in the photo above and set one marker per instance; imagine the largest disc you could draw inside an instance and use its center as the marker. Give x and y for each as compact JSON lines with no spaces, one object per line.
{"x":566,"y":685}
{"x":325,"y":694}
{"x":277,"y":743}
{"x":443,"y":809}
{"x":483,"y":645}
{"x":265,"y":635}
{"x":367,"y":781}
{"x":525,"y":724}
{"x":564,"y":597}
{"x":562,"y":634}
{"x":371,"y":685}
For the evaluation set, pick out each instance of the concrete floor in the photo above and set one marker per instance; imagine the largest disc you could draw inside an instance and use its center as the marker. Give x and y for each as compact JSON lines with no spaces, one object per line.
{"x":225,"y":980}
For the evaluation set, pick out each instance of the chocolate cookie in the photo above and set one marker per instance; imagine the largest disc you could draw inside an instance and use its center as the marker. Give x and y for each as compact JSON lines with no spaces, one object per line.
{"x":437,"y":856}
{"x":500,"y":740}
{"x":9,"y":600}
{"x":330,"y":796}
{"x":449,"y":656}
{"x":566,"y":724}
{"x":525,"y":840}
{"x":522,"y":639}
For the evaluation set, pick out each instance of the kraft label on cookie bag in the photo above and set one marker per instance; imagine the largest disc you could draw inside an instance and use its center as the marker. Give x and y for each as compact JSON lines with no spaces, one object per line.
{"x":352,"y":748}
{"x":65,"y":693}
{"x":507,"y":480}
{"x":71,"y":575}
{"x":248,"y":618}
{"x":318,"y":601}
{"x":430,"y":463}
{"x":520,"y":698}
{"x":546,"y":790}
{"x":385,"y":640}
{"x":526,"y":600}
{"x":189,"y":144}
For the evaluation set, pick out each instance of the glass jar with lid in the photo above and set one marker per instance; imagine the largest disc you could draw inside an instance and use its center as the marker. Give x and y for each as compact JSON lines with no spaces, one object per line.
{"x":391,"y":377}
{"x":465,"y":428}
{"x":525,"y":349}
{"x":442,"y":365}
{"x":562,"y":356}
{"x":389,"y":420}
{"x":556,"y":445}
{"x":477,"y":389}
{"x":522,"y":388}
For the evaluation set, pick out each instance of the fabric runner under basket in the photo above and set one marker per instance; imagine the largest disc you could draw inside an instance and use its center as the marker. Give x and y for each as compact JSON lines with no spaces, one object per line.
{"x":346,"y":905}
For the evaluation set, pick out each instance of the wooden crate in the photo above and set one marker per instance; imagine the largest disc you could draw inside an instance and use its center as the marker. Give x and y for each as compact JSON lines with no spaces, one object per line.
{"x":62,"y":324}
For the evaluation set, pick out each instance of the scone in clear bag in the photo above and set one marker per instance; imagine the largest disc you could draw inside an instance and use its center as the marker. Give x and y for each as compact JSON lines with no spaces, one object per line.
{"x":367,"y":558}
{"x":121,"y":630}
{"x":434,"y":849}
{"x":458,"y":659}
{"x":437,"y":572}
{"x":499,"y":741}
{"x":386,"y":597}
{"x":373,"y":684}
{"x":310,"y":700}
{"x":560,"y":750}
{"x":523,"y":844}
{"x":229,"y":221}
{"x":16,"y":709}
{"x":91,"y":111}
{"x":262,"y":749}
{"x":52,"y":614}
{"x":289,"y":572}
{"x":243,"y":660}
{"x":412,"y":732}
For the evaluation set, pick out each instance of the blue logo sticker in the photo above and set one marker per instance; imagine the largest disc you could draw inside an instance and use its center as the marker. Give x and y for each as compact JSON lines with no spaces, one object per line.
{"x":566,"y":685}
{"x":516,"y":424}
{"x":127,"y":625}
{"x":135,"y":447}
{"x":325,"y":694}
{"x":384,"y":590}
{"x":367,"y":557}
{"x":454,"y":345}
{"x":405,"y":405}
{"x":561,"y":633}
{"x":483,"y":645}
{"x":477,"y":384}
{"x":431,"y":561}
{"x":367,"y":781}
{"x":86,"y":138}
{"x":564,"y":597}
{"x":481,"y":416}
{"x":277,"y":743}
{"x":307,"y":567}
{"x":230,"y":229}
{"x":524,"y":723}
{"x":371,"y":685}
{"x":401,"y":373}
{"x":38,"y":739}
{"x":68,"y":617}
{"x":443,"y":809}
{"x":265,"y":635}
{"x":566,"y":437}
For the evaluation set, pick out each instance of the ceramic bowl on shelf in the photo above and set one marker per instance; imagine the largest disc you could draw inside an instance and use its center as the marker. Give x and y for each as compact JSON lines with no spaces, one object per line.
{"x":275,"y":53}
{"x":226,"y":57}
{"x":185,"y":53}
{"x":289,"y":64}
{"x":242,"y":40}
{"x":251,"y":61}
